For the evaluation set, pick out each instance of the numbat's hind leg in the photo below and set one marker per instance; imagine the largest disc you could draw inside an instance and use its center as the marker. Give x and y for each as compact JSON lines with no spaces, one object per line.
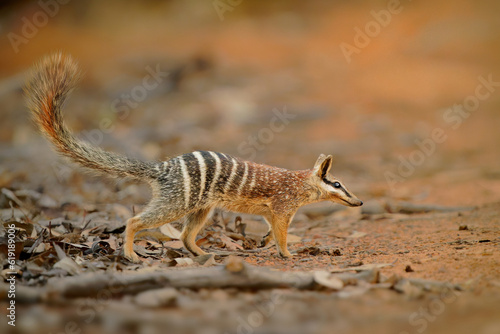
{"x":134,"y":225}
{"x":266,"y":239}
{"x":147,"y":219}
{"x":194,"y":223}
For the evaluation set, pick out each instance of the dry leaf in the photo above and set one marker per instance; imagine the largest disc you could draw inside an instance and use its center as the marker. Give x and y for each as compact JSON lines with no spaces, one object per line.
{"x":60,"y":253}
{"x":68,"y":265}
{"x":229,"y":243}
{"x":205,"y":260}
{"x":170,"y":231}
{"x":183,"y":261}
{"x":174,"y":244}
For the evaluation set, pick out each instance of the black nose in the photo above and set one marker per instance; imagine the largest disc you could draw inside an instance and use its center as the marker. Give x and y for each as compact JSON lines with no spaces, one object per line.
{"x":361,"y":203}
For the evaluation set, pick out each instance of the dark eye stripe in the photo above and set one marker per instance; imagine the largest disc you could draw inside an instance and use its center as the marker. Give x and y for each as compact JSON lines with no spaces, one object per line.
{"x":338,"y":186}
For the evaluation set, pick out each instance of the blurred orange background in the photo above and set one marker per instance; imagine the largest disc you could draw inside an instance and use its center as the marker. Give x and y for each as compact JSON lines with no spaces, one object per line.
{"x":365,"y":81}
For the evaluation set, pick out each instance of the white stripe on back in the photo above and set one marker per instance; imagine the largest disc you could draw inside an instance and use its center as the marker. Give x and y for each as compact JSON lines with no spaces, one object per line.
{"x":203,"y":172}
{"x":186,"y":183}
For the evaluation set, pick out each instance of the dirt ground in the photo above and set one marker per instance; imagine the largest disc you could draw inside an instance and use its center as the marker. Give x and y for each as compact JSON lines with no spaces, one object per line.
{"x":408,"y":109}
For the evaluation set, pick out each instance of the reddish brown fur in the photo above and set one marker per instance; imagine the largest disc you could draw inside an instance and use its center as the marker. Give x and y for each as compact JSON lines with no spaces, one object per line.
{"x":185,"y":185}
{"x":52,"y":80}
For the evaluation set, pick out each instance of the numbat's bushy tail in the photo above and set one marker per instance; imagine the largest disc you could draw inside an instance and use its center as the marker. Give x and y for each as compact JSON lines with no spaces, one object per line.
{"x":53,"y":78}
{"x":191,"y":184}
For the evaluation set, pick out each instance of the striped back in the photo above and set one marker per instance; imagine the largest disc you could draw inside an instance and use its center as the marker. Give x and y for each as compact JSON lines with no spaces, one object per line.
{"x":201,"y":177}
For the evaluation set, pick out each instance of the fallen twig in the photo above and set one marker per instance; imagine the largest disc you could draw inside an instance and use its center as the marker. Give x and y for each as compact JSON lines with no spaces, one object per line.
{"x":234,"y":274}
{"x":408,"y":207}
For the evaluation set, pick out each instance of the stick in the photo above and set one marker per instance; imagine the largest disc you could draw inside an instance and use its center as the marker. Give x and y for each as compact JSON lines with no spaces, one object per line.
{"x":407,"y":207}
{"x":235,"y":274}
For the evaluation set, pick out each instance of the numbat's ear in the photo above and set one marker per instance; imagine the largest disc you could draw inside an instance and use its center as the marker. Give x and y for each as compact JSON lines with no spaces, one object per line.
{"x":322,"y":165}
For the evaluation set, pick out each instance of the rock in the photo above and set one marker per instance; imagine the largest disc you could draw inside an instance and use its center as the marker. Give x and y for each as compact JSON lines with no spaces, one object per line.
{"x":409,"y":289}
{"x":234,"y":264}
{"x":183,"y":261}
{"x":356,"y":235}
{"x":324,"y":278}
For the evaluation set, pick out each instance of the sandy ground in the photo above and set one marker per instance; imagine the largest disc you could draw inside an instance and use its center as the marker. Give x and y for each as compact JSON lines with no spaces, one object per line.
{"x":412,"y":115}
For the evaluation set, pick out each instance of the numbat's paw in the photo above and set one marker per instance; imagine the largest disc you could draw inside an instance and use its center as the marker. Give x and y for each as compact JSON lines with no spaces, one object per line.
{"x":285,"y":254}
{"x":133,"y":257}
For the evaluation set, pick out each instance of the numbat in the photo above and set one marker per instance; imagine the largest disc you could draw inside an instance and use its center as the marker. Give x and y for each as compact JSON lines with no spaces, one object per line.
{"x":191,"y":184}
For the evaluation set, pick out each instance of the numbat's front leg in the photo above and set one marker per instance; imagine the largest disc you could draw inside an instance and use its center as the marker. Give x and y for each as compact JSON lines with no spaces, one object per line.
{"x":280,"y":231}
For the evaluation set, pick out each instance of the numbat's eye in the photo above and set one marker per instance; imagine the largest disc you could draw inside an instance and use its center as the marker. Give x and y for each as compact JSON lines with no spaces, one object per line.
{"x":336,"y":185}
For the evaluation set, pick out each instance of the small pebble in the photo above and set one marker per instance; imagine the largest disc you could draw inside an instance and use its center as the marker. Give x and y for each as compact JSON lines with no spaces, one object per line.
{"x":409,"y":269}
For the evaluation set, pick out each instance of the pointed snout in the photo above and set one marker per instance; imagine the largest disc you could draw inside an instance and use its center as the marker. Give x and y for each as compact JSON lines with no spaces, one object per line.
{"x":356,"y":202}
{"x":349,"y":201}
